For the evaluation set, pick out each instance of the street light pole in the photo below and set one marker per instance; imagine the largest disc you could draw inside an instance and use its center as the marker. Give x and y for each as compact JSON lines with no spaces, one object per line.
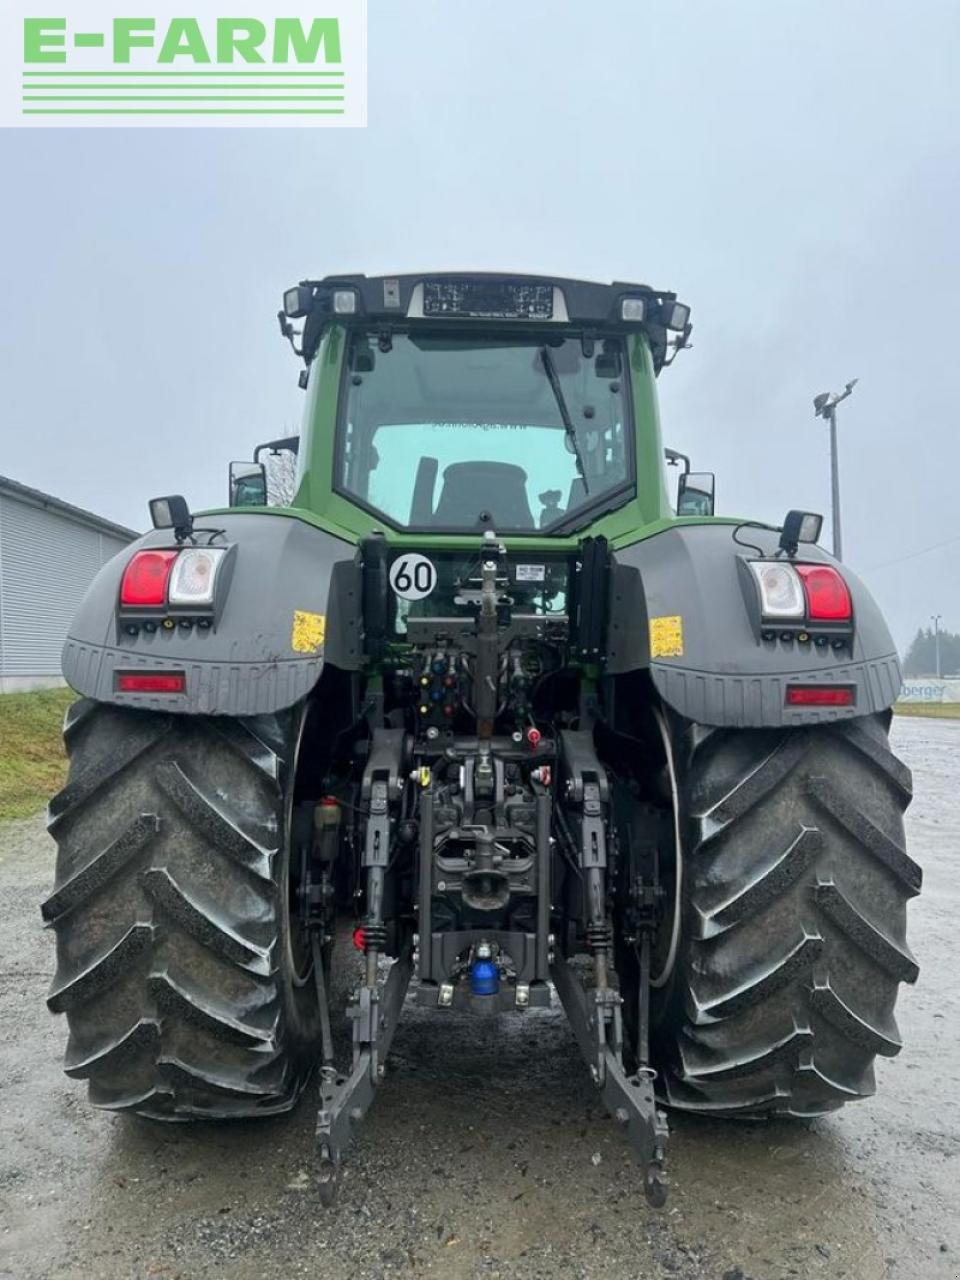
{"x":835,"y":487}
{"x":825,"y":406}
{"x":935,"y":619}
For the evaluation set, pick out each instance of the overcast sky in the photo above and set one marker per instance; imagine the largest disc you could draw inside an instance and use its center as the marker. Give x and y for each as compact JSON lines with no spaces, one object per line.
{"x":790,"y":169}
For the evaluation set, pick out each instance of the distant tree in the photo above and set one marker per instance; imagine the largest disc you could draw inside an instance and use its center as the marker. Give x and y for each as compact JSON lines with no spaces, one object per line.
{"x":921,"y":656}
{"x":281,"y":477}
{"x":915,"y":659}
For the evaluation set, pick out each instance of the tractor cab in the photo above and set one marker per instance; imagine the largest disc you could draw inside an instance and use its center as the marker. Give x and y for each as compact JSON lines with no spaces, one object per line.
{"x":454,"y":404}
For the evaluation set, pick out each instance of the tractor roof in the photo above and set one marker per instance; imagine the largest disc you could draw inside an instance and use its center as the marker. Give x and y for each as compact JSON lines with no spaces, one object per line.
{"x":487,"y":298}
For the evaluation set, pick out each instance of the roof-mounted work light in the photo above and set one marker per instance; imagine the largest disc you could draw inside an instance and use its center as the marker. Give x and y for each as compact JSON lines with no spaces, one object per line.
{"x":298,"y":301}
{"x":173,"y":513}
{"x":799,"y":526}
{"x":345,"y":302}
{"x":304,"y":298}
{"x":675,"y":316}
{"x":633,"y":310}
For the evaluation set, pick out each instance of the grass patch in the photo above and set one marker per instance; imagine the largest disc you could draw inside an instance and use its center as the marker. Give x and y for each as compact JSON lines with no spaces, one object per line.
{"x":32,"y":760}
{"x":929,"y":710}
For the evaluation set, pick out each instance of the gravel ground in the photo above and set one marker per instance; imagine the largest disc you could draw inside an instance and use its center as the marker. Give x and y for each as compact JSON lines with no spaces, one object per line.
{"x":487,"y":1155}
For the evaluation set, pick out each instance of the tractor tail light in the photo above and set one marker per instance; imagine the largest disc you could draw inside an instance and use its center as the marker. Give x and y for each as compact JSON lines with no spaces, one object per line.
{"x":151,"y":682}
{"x":828,"y":597}
{"x":819,"y":695}
{"x":194,"y":575}
{"x":145,"y":578}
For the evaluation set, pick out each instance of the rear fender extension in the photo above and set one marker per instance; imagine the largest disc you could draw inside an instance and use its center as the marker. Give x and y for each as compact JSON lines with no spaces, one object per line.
{"x":292,"y":603}
{"x":679,"y":608}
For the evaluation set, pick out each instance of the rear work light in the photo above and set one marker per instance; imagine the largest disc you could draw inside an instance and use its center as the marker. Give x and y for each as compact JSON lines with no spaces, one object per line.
{"x":145,"y":578}
{"x":828,"y":597}
{"x":151,"y":682}
{"x":818,"y":695}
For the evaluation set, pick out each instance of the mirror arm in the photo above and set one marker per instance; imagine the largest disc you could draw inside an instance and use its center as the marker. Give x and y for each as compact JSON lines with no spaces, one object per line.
{"x":674,"y":456}
{"x":287,"y":331}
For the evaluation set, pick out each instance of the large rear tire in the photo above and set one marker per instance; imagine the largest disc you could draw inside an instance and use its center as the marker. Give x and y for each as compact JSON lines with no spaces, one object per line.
{"x":187,"y":989}
{"x":794,"y":946}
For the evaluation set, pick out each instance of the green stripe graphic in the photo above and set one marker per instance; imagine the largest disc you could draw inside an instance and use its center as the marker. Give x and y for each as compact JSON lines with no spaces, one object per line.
{"x":182,"y":73}
{"x":184,"y":111}
{"x":181,"y":97}
{"x":71,"y":89}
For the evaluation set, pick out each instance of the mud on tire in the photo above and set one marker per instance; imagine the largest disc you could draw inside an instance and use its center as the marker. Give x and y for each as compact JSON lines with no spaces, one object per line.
{"x":796,"y":888}
{"x":176,"y":967}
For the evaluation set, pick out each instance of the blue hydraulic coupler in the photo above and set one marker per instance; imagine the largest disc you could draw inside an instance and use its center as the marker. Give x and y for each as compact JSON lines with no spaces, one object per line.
{"x":484,"y":973}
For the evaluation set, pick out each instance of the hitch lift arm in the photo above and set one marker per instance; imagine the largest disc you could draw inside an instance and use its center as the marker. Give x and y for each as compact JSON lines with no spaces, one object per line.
{"x":374,"y":1009}
{"x":596,"y":1016}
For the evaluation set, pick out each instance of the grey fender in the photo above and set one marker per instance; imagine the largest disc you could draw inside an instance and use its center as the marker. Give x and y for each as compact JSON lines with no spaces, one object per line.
{"x":289,"y":602}
{"x":726,"y":673}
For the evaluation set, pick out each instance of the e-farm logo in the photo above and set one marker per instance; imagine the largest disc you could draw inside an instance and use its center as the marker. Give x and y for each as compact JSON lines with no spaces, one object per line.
{"x":102,"y":64}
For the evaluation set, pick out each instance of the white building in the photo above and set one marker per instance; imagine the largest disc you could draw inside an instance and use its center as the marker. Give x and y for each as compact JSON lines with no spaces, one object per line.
{"x":49,"y":553}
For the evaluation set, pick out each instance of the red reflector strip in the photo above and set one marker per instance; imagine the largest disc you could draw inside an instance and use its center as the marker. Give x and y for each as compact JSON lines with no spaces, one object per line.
{"x":359,"y":938}
{"x":819,"y":695}
{"x":145,"y":578}
{"x":151,"y":682}
{"x":828,"y":598}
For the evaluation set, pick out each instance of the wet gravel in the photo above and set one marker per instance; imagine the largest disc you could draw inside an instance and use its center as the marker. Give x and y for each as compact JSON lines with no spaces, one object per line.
{"x":487,"y":1155}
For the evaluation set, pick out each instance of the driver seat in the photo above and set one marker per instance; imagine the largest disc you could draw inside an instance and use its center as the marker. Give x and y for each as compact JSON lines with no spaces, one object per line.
{"x":470,"y":488}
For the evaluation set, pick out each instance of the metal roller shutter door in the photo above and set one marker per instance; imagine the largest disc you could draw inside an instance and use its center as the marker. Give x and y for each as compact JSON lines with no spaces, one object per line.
{"x":46,"y":563}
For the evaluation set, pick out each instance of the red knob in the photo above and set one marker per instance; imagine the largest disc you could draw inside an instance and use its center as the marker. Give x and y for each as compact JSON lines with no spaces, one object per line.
{"x":533,"y":737}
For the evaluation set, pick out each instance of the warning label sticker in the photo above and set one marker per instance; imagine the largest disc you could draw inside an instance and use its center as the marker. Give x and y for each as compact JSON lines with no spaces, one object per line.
{"x":308,"y":632}
{"x":666,"y":637}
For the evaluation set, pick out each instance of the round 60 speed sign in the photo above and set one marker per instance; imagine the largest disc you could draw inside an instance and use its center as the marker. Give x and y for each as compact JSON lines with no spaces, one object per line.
{"x":413,"y":577}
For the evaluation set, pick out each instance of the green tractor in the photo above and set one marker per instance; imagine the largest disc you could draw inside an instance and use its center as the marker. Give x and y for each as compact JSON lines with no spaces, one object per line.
{"x":481,"y":703}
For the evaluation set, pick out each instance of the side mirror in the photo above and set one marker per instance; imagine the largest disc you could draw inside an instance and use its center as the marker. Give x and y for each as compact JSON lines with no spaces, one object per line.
{"x":248,"y":484}
{"x":695,"y":493}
